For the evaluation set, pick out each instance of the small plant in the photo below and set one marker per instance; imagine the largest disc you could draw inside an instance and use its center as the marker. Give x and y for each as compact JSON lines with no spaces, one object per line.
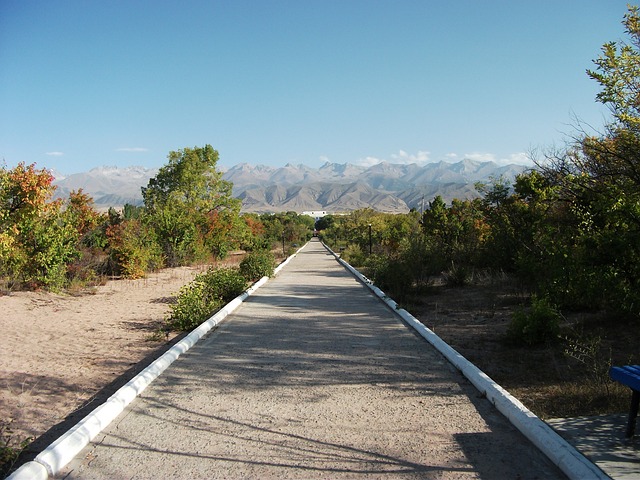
{"x":538,"y":325}
{"x":9,"y":449}
{"x":199,"y":299}
{"x":256,"y":265}
{"x":457,"y":276}
{"x":587,"y":350}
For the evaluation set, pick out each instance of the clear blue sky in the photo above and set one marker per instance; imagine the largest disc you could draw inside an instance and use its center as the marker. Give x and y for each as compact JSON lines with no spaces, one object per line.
{"x":85,"y":83}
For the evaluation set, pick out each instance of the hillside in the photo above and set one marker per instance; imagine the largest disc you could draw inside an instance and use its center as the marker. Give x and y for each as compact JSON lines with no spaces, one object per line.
{"x":386,"y":187}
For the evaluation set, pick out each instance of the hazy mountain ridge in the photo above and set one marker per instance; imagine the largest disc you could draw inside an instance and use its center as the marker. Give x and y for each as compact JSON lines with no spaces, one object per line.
{"x":343,"y":187}
{"x":109,"y":186}
{"x":332,"y":187}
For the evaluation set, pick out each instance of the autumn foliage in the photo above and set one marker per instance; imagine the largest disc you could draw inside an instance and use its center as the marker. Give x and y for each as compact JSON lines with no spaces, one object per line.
{"x":189,"y":216}
{"x":37,"y":240}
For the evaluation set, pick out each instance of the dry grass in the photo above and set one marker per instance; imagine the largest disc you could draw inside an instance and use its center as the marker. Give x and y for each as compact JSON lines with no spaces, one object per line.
{"x":553,"y":380}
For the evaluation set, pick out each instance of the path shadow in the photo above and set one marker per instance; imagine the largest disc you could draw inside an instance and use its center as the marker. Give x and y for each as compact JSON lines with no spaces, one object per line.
{"x":278,"y":449}
{"x":100,"y":397}
{"x":602,"y":440}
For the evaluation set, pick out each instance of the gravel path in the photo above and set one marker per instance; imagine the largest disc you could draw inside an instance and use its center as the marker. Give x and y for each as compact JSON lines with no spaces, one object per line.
{"x":312,"y":377}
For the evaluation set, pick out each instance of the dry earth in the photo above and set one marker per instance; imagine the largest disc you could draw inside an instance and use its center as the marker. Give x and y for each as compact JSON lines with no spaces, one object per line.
{"x":474,"y":320}
{"x":61,"y":351}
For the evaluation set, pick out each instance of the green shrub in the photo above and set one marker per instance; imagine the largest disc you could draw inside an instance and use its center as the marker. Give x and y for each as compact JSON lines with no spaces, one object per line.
{"x":354,"y":256}
{"x":224,"y":283}
{"x":538,"y":325}
{"x":257,"y":264}
{"x":208,"y":292}
{"x":133,"y":248}
{"x":392,"y":275}
{"x":192,"y":307}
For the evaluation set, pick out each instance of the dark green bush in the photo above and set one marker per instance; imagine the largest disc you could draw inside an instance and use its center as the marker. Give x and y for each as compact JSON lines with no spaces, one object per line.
{"x":224,"y":283}
{"x":537,"y":325}
{"x":354,"y":255}
{"x":393,"y":276}
{"x":256,"y":265}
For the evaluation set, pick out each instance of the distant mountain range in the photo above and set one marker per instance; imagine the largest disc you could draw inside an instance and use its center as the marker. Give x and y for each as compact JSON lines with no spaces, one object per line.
{"x":109,"y":186}
{"x":333,"y":187}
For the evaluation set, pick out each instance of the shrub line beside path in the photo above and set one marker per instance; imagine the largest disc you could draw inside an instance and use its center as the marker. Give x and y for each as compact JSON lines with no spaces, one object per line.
{"x":311,"y":377}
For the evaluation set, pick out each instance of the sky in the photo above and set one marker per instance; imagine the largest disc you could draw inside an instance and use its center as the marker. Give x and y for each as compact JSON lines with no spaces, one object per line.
{"x":86,"y":83}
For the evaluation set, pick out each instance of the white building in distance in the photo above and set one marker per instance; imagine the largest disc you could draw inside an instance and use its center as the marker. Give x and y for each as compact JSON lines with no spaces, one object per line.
{"x":317,"y":214}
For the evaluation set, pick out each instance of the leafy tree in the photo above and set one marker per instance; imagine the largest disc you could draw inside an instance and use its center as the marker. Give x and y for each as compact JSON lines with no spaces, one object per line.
{"x":325,"y":222}
{"x":253,"y":233}
{"x":618,"y":73}
{"x":80,"y":212}
{"x":191,"y":206}
{"x":36,"y":240}
{"x":599,"y":181}
{"x":91,"y":226}
{"x":456,"y":235}
{"x":287,"y":226}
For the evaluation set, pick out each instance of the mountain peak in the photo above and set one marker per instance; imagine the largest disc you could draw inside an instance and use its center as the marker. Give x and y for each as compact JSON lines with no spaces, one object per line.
{"x":332,"y":187}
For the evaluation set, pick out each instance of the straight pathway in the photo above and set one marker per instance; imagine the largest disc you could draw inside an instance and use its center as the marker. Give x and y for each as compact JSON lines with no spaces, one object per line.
{"x":312,"y":377}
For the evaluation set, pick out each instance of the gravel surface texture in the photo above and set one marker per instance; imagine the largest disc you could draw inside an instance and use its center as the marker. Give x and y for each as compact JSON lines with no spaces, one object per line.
{"x":312,"y":377}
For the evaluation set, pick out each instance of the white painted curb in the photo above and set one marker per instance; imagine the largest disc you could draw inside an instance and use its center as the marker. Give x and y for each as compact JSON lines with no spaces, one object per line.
{"x":557,"y":449}
{"x":30,"y":471}
{"x":57,"y":455}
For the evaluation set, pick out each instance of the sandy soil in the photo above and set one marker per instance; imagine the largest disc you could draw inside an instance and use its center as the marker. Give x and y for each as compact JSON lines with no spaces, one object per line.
{"x":59,"y":351}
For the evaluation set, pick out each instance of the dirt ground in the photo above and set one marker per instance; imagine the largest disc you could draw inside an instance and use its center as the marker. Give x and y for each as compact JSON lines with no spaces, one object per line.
{"x":567,"y":378}
{"x":60,"y":351}
{"x":62,"y":355}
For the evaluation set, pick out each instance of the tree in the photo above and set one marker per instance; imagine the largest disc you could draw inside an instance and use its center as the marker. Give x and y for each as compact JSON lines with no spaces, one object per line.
{"x":612,"y":159}
{"x":191,"y":206}
{"x":133,"y":247}
{"x":80,"y":211}
{"x":618,"y":73}
{"x":191,"y":179}
{"x":36,"y":240}
{"x":598,"y":179}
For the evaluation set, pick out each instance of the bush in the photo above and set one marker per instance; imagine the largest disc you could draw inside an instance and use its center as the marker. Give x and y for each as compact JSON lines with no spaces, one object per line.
{"x":199,"y":299}
{"x":458,"y":275}
{"x":393,"y":276}
{"x":133,"y":248}
{"x":538,"y":325}
{"x":192,"y":307}
{"x":354,"y":255}
{"x":257,"y":264}
{"x":224,"y":283}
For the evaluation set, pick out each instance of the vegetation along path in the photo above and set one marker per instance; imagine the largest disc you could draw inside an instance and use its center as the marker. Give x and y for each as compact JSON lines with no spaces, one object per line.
{"x":312,"y":377}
